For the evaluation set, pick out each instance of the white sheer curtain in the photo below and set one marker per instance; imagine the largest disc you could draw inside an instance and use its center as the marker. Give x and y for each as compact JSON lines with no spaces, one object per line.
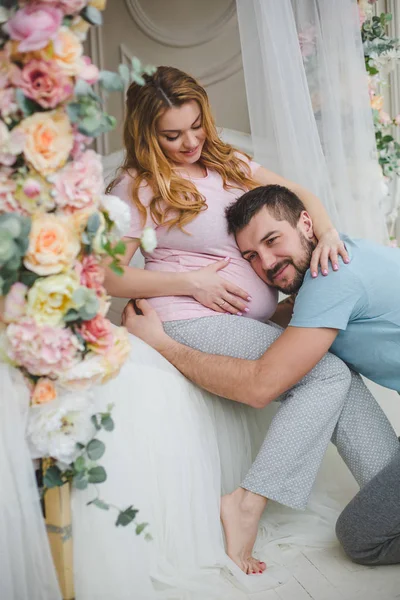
{"x":309,"y":108}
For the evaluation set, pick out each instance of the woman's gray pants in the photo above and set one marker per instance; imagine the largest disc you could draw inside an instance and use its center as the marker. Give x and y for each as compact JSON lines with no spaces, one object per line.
{"x":330,"y":402}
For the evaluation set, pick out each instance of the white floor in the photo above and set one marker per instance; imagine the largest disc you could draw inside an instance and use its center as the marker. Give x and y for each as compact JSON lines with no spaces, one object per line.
{"x":326,"y":574}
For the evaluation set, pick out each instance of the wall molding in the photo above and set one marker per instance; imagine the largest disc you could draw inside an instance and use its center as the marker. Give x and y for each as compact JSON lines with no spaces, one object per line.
{"x":97,"y":55}
{"x":181,"y":38}
{"x":207,"y":77}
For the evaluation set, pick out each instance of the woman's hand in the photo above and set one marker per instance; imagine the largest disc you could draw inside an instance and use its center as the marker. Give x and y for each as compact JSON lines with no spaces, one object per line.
{"x":214,"y":292}
{"x":329,"y":247}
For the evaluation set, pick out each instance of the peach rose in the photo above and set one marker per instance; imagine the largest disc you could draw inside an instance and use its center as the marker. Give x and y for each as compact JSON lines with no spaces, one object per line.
{"x":98,"y":334}
{"x":68,"y":52}
{"x":377,"y":102}
{"x":99,"y":4}
{"x":53,"y":245}
{"x":43,"y":392}
{"x":48,"y":140}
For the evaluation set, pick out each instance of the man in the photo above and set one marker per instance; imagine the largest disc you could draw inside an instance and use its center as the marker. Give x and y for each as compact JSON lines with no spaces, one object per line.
{"x":355,"y":312}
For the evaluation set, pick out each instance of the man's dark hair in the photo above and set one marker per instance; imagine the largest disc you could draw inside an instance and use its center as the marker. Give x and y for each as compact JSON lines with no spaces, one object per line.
{"x":283,"y":205}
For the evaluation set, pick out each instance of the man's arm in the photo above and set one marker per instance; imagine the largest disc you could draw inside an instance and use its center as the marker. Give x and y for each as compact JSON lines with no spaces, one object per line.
{"x":253,"y":382}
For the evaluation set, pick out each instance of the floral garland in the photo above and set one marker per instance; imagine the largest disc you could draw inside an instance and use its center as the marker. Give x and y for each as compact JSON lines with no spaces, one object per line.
{"x":381,"y":54}
{"x":56,"y":226}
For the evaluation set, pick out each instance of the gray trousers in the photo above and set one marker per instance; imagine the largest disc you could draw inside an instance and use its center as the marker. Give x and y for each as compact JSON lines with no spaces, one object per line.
{"x":330,"y":402}
{"x":369,"y":526}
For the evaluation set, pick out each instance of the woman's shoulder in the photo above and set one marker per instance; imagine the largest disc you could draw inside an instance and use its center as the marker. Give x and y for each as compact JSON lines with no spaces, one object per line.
{"x":123,"y":187}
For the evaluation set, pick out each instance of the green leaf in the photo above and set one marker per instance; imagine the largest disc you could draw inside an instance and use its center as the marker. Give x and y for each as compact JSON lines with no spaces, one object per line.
{"x":107,"y":423}
{"x":27,"y":106}
{"x":94,"y":420}
{"x":97,"y":475}
{"x":140,"y":528}
{"x":92,"y":15}
{"x":127,"y":516}
{"x":124,"y":73}
{"x":99,"y":503}
{"x":52,"y":478}
{"x":71,"y":316}
{"x":387,"y":138}
{"x":115,"y":268}
{"x":93,"y":223}
{"x":80,"y":464}
{"x":74,"y":111}
{"x":95,"y":449}
{"x":80,"y":480}
{"x":119,"y":248}
{"x":79,"y":446}
{"x":110,"y":81}
{"x":136,"y":64}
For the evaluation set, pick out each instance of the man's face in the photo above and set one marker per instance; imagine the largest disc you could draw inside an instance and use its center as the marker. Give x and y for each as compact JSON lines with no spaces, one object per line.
{"x":279,"y":253}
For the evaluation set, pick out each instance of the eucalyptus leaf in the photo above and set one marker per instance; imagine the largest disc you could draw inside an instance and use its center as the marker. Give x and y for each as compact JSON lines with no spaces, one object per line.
{"x":27,"y":106}
{"x":140,"y":528}
{"x":93,"y":223}
{"x":95,"y":422}
{"x":80,"y":480}
{"x":80,"y":464}
{"x":138,"y":79}
{"x":97,"y":475}
{"x":95,"y":449}
{"x":99,"y":503}
{"x":52,"y":478}
{"x":136,"y":64}
{"x":107,"y":423}
{"x":124,"y":73}
{"x":110,"y":81}
{"x":126,"y":516}
{"x":92,"y":15}
{"x":71,"y":316}
{"x":28,"y":278}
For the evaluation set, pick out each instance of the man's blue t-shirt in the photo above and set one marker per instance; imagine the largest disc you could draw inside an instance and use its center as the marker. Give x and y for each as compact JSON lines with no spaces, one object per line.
{"x":362,"y":300}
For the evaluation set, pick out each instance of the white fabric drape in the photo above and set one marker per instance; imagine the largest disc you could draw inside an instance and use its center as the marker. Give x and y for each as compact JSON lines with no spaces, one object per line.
{"x":26,"y":567}
{"x":308,"y":104}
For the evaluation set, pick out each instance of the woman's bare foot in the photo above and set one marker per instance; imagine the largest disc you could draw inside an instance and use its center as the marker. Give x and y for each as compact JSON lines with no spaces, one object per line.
{"x":240,"y":514}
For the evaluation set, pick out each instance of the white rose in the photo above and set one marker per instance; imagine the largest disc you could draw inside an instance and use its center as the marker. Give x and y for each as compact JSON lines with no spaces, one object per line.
{"x":148,"y":239}
{"x":119,"y":213}
{"x":55,"y":428}
{"x":85,"y":374}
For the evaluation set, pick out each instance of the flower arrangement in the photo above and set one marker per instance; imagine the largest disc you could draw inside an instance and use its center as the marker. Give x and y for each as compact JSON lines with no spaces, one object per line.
{"x":381,"y":53}
{"x":56,"y":227}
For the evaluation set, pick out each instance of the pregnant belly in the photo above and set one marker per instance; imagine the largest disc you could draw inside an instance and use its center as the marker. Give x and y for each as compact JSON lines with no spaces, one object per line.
{"x":263,"y":298}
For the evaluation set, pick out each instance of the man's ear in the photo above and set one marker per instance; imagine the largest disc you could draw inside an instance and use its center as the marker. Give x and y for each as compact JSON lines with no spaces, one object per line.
{"x":306,"y":225}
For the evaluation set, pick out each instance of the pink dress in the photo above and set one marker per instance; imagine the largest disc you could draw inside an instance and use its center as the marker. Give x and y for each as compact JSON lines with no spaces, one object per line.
{"x":209,"y":242}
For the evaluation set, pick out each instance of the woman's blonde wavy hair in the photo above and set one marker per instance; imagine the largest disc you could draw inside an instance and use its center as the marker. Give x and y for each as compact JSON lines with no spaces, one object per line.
{"x":176,"y":200}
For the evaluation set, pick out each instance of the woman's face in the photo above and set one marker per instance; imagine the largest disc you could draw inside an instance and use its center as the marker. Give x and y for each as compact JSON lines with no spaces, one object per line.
{"x":180,"y":133}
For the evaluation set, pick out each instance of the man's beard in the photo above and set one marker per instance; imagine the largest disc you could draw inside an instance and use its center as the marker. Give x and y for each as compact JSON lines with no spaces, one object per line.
{"x":300,"y":267}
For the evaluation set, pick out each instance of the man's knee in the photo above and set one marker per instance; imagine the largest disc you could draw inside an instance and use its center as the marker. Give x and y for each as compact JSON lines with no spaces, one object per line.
{"x":354,"y":539}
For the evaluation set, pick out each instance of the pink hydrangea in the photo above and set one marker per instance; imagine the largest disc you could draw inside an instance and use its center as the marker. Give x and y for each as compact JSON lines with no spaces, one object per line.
{"x":91,"y":274}
{"x":79,"y":184}
{"x":8,"y":187}
{"x":98,"y":334}
{"x":15,"y":302}
{"x":384,"y":118}
{"x":34,"y":26}
{"x":44,"y":82}
{"x":80,"y":143}
{"x":42,"y":349}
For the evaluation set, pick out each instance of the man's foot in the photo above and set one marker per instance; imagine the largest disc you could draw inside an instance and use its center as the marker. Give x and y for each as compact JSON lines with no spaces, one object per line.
{"x":240,"y":514}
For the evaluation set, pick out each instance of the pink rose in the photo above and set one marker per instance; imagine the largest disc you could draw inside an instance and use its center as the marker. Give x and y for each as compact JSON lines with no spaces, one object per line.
{"x":98,"y":334}
{"x":88,"y":72}
{"x":34,"y":26}
{"x":91,"y":274}
{"x":44,"y":82}
{"x":79,"y":184}
{"x":15,"y":302}
{"x":31,"y":188}
{"x":68,"y":7}
{"x":384,"y":118}
{"x":397,"y":119}
{"x":42,"y":349}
